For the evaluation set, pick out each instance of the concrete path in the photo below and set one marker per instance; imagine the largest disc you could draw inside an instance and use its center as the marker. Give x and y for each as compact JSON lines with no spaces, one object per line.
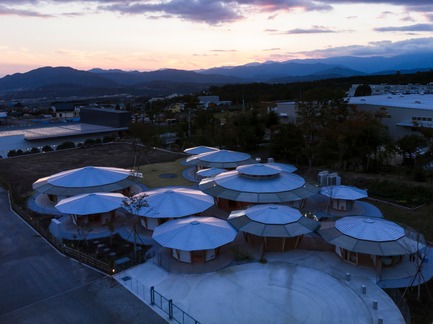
{"x":300,"y":287}
{"x":39,"y":285}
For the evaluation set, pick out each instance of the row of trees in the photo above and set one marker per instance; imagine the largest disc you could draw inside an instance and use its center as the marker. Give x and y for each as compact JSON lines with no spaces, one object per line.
{"x":327,"y":132}
{"x":62,"y":146}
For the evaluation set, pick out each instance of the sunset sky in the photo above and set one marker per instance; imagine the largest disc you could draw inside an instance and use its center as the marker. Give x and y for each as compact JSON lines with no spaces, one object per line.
{"x":147,"y":35}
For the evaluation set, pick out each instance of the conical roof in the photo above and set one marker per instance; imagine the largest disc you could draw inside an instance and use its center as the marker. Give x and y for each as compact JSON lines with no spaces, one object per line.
{"x":210,"y":172}
{"x":224,"y":159}
{"x":194,"y":233}
{"x":174,"y":202}
{"x":371,"y":236}
{"x":343,"y":192}
{"x":258,"y":183}
{"x":91,"y":203}
{"x":199,"y":150}
{"x":272,"y":220}
{"x":86,"y":180}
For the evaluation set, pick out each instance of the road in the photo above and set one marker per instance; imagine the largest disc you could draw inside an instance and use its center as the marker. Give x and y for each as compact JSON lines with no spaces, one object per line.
{"x":39,"y":285}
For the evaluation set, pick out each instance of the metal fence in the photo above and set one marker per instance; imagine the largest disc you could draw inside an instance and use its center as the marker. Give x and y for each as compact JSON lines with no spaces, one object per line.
{"x":167,"y":306}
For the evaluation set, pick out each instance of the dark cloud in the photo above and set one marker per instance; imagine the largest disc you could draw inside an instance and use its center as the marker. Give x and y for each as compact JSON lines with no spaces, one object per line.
{"x":19,"y":2}
{"x":313,"y":30}
{"x":7,"y":11}
{"x":209,"y":11}
{"x":384,"y":48}
{"x":410,"y":28}
{"x":206,"y":11}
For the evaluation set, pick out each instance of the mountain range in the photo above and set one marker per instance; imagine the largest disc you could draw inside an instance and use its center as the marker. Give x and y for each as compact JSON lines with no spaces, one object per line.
{"x":58,"y":81}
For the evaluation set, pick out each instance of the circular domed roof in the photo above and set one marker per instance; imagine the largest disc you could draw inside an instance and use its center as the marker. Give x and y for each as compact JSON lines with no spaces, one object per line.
{"x":258,"y":170}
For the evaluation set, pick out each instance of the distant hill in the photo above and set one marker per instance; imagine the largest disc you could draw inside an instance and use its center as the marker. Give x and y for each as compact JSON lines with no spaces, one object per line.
{"x":67,"y":81}
{"x":53,"y":75}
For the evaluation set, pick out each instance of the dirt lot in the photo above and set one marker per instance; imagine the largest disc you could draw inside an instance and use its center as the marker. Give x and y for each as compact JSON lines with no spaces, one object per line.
{"x":21,"y":172}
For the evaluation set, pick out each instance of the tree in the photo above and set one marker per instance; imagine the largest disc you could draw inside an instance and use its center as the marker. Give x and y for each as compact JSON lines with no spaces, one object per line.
{"x":12,"y":153}
{"x":65,"y":145}
{"x":318,"y":111}
{"x":409,"y":146}
{"x":205,"y":128}
{"x":272,"y":121}
{"x":143,"y":137}
{"x":334,"y":131}
{"x":286,"y":143}
{"x":134,"y":205}
{"x":47,"y":148}
{"x":248,"y":130}
{"x":363,"y":90}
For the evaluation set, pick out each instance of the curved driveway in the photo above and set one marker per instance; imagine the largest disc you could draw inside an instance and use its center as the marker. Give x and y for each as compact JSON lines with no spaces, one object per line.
{"x":39,"y":285}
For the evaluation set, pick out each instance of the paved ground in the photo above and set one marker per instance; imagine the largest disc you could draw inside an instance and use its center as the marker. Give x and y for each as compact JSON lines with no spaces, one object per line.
{"x":38,"y":285}
{"x":295,"y":287}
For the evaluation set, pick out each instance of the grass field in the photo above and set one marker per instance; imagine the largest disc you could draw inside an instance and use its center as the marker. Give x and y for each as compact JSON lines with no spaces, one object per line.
{"x":420,"y":219}
{"x":152,"y":174}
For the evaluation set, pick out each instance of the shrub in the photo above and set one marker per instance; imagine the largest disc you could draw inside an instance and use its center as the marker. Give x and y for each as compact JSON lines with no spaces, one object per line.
{"x":108,"y":139}
{"x":241,"y":256}
{"x":47,"y":148}
{"x":89,"y":142}
{"x":34,"y":150}
{"x":419,"y":175}
{"x":12,"y":153}
{"x":66,"y":145}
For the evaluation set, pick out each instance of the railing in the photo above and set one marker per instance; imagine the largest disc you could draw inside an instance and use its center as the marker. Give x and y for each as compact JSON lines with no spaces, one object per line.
{"x":140,"y":290}
{"x":58,"y":244}
{"x":167,"y":306}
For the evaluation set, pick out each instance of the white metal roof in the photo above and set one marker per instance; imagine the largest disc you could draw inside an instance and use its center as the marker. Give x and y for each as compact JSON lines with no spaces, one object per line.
{"x":273,"y":214}
{"x":220,"y":159}
{"x":283,"y":166}
{"x":85,"y":180}
{"x":258,"y":169}
{"x":194,"y":233}
{"x":91,"y":203}
{"x":415,"y":101}
{"x":282,"y":187}
{"x":210,"y":172}
{"x":66,"y":130}
{"x":272,"y":220}
{"x":199,"y":150}
{"x":371,"y":236}
{"x":372,"y":229}
{"x":174,"y":202}
{"x":343,"y":192}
